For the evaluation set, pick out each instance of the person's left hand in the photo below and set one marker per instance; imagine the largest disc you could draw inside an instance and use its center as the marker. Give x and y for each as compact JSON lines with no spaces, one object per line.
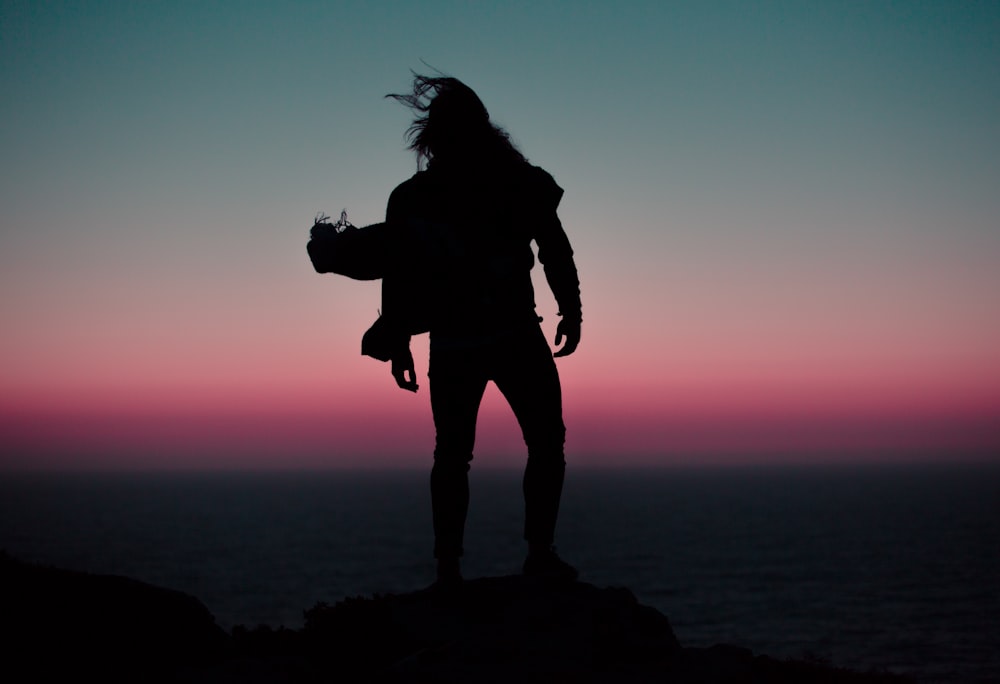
{"x":568,"y":329}
{"x":403,"y":370}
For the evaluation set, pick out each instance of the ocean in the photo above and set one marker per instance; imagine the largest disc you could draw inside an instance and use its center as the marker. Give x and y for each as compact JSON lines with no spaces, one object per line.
{"x":891,"y":568}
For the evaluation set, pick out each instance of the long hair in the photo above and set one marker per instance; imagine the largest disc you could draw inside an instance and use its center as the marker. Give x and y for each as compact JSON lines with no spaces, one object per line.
{"x":452,"y":121}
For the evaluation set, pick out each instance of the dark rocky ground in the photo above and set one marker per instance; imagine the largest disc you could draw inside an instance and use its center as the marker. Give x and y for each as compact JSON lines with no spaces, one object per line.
{"x":61,"y":625}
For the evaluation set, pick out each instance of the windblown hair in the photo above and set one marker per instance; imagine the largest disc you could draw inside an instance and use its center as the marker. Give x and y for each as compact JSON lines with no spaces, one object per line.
{"x":451,"y":120}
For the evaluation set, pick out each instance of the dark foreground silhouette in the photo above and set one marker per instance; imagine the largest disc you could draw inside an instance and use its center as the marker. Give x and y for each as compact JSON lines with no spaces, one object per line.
{"x":62,"y":625}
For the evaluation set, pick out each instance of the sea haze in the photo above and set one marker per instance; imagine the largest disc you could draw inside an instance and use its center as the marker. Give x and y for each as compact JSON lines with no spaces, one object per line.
{"x":884,"y":567}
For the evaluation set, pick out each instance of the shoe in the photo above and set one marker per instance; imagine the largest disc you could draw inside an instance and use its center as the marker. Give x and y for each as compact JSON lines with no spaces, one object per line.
{"x":548,"y":565}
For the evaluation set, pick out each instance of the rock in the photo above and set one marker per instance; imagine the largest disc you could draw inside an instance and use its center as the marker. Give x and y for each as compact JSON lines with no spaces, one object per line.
{"x":499,"y":629}
{"x":63,"y":625}
{"x":60,"y":623}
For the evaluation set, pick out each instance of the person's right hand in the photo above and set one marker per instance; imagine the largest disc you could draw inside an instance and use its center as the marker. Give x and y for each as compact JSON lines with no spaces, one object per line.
{"x":402,"y":366}
{"x":323,"y":231}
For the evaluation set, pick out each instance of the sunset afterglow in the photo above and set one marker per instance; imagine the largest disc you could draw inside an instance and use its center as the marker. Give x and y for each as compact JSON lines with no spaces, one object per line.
{"x":784,"y":216}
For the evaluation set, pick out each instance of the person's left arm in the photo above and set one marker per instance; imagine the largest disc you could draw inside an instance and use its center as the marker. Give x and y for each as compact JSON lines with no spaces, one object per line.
{"x":556,"y":256}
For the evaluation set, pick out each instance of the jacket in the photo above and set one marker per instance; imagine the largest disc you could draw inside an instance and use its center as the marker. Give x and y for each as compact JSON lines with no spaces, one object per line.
{"x":455,"y":256}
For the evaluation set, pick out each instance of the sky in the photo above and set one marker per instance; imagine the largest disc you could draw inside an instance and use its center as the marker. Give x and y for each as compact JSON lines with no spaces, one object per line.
{"x":785,"y":218}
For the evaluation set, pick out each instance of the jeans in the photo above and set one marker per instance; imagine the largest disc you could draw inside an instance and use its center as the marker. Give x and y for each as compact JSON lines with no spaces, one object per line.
{"x":522,"y":367}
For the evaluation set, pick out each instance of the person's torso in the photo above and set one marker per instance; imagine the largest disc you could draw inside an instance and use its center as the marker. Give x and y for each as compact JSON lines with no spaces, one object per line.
{"x":470,"y":257}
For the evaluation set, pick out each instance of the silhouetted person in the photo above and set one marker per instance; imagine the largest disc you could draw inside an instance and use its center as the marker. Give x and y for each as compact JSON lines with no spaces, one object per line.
{"x":455,"y":256}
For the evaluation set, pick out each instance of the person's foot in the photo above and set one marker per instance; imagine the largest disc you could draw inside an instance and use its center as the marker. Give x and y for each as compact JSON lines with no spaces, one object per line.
{"x":546,"y":564}
{"x":449,"y":573}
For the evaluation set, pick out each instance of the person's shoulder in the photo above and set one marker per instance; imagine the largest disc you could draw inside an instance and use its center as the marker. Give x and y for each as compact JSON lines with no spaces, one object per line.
{"x":411,"y":187}
{"x":537,"y":173}
{"x":413,"y":182}
{"x":541,"y":185}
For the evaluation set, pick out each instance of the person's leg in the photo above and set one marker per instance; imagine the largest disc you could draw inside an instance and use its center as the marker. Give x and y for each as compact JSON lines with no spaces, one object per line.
{"x":457,"y":383}
{"x":526,"y":374}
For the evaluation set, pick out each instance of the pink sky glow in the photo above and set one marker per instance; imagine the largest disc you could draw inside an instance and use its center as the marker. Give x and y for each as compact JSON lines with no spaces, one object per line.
{"x":797,"y":259}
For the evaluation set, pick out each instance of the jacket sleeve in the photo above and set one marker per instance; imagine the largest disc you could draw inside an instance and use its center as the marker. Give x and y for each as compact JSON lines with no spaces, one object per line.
{"x":358,"y":253}
{"x":405,"y":298}
{"x":391,"y":332}
{"x":554,"y":250}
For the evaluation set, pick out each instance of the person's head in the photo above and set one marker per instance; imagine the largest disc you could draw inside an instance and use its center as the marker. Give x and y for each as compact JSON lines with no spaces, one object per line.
{"x":452,"y":123}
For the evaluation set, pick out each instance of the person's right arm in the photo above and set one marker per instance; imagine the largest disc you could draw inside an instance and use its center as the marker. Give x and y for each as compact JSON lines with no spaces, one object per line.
{"x":395,"y":309}
{"x":358,"y":253}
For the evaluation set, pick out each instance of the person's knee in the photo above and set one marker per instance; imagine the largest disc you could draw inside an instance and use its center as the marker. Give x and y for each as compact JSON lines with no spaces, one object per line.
{"x":546,"y":446}
{"x":547,"y":456}
{"x":452,"y":460}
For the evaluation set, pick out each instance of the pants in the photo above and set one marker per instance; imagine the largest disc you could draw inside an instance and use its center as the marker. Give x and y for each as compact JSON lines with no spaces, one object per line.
{"x":524,"y":371}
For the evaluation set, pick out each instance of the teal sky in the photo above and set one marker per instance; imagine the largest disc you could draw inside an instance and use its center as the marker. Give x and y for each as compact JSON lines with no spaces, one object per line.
{"x":773,"y":204}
